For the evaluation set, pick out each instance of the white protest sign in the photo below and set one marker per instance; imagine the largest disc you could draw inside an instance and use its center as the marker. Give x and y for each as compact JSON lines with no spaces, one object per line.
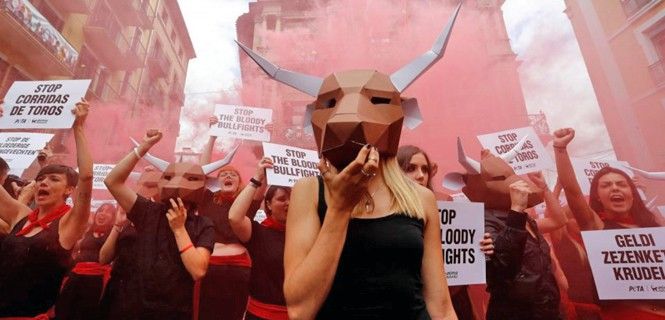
{"x":532,"y":157}
{"x":627,"y":263}
{"x":42,"y":104}
{"x":289,"y":164}
{"x":240,"y":122}
{"x":99,"y":173}
{"x":462,"y":228}
{"x":20,"y":149}
{"x":586,"y":169}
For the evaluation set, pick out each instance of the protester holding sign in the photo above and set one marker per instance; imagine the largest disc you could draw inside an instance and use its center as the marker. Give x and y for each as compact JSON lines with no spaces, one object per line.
{"x":80,"y":295}
{"x":35,"y":255}
{"x":614,"y":202}
{"x":265,"y":243}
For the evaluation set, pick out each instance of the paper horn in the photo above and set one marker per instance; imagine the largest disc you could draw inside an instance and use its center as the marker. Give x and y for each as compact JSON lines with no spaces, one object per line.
{"x":471,"y":166}
{"x":210,"y":167}
{"x":649,"y":174}
{"x":510,"y":155}
{"x":157,"y":162}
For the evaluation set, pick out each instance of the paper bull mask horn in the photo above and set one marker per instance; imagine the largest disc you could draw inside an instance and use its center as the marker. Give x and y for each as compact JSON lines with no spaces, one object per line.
{"x":358,"y":107}
{"x":488,"y":181}
{"x":649,"y":174}
{"x":185,"y":180}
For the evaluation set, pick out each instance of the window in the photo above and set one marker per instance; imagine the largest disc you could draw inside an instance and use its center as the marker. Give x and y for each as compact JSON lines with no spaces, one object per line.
{"x":100,"y":84}
{"x":87,"y":65}
{"x":48,"y":13}
{"x":657,"y":69}
{"x":631,"y":7}
{"x":271,"y":22}
{"x":658,"y":41}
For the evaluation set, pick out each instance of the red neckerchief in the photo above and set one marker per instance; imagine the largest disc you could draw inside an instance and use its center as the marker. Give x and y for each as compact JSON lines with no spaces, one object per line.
{"x":43,"y":222}
{"x":271,"y":223}
{"x":221,"y":197}
{"x":622,"y":220}
{"x":102,"y":230}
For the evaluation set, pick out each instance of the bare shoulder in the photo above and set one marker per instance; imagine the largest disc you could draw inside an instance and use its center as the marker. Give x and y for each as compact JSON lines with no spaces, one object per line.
{"x":425,"y":194}
{"x":305,"y":191}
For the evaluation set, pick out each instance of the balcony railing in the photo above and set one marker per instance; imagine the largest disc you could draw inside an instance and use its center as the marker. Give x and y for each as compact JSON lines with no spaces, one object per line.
{"x":36,"y":28}
{"x":159,"y":65}
{"x":134,"y":12}
{"x":657,"y":71}
{"x":630,"y":7}
{"x":104,"y":36}
{"x":75,"y":6}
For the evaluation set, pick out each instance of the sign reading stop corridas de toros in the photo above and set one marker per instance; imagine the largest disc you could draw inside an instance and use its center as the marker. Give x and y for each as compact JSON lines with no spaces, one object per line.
{"x":627,"y":263}
{"x":462,"y":228}
{"x":42,"y":104}
{"x":532,"y":157}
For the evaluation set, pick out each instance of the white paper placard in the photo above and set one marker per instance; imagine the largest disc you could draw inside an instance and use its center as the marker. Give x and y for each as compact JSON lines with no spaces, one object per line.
{"x":532,"y":157}
{"x":462,"y":228}
{"x":586,"y":169}
{"x":241,"y":122}
{"x":289,"y":164}
{"x":42,"y":104}
{"x":20,"y":149}
{"x":627,"y":263}
{"x":99,"y":173}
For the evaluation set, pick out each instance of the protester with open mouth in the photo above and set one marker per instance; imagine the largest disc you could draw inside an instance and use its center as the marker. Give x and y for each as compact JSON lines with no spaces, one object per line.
{"x":35,"y":256}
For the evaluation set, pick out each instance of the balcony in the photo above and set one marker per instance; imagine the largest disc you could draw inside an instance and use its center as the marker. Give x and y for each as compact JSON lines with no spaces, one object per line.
{"x":139,"y":13}
{"x":177,"y":94}
{"x":657,"y":71}
{"x":71,"y":6}
{"x":103,"y":36}
{"x":631,"y":7}
{"x":28,"y":37}
{"x":159,"y":66}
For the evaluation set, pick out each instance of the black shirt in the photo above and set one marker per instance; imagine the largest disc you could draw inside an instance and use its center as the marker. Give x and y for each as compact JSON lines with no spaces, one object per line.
{"x":266,"y":247}
{"x":519,"y":274}
{"x":219,"y":215}
{"x":89,"y":247}
{"x":31,"y":271}
{"x":379,"y":271}
{"x":165,"y":284}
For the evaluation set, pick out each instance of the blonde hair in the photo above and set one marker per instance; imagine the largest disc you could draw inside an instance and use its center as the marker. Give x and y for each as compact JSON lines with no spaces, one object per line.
{"x":403,"y":191}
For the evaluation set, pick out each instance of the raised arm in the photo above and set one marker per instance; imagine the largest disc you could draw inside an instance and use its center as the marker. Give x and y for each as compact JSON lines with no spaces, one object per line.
{"x":73,"y":225}
{"x":585,"y":216}
{"x":107,"y":251}
{"x":313,"y":247}
{"x":207,"y":149}
{"x":115,"y":180}
{"x":435,"y":285}
{"x":12,"y":209}
{"x":554,"y":216}
{"x":194,"y":258}
{"x":240,"y":223}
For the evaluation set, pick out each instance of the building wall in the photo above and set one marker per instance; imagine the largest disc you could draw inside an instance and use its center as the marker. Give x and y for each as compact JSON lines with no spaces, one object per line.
{"x":618,"y":40}
{"x":473,"y":90}
{"x":112,"y":42}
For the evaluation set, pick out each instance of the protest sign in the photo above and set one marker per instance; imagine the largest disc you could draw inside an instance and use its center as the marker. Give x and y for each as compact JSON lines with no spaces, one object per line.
{"x":99,"y":173}
{"x":289,"y":164}
{"x":95,"y":204}
{"x":19,"y":149}
{"x":532,"y":157}
{"x":462,"y":228}
{"x":586,"y":169}
{"x":240,"y":122}
{"x":627,"y":263}
{"x":42,"y":104}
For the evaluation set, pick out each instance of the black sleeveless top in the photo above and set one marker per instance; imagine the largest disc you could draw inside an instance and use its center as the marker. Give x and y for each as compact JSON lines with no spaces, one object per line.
{"x":31,"y":271}
{"x":219,"y":215}
{"x":379,"y":271}
{"x":89,"y":247}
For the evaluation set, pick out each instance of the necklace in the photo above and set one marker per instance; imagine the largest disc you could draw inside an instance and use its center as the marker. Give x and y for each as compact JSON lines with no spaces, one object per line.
{"x":369,"y":202}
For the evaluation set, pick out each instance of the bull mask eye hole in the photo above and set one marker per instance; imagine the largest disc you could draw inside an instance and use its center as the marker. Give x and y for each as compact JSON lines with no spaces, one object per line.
{"x":380,"y":100}
{"x":499,"y":178}
{"x":330,"y":103}
{"x":192,"y":179}
{"x":168,"y":178}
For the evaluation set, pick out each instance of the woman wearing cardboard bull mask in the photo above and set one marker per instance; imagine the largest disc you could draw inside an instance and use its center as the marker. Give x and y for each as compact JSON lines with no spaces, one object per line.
{"x":614,"y":203}
{"x":34,"y":257}
{"x":174,"y":243}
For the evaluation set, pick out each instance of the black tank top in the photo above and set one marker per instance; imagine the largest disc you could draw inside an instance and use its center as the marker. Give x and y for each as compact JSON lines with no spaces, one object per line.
{"x":89,"y":247}
{"x":378,"y":276}
{"x":31,"y":271}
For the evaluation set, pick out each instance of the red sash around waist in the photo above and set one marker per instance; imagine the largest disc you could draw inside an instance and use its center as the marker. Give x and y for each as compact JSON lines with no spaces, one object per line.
{"x":266,"y":311}
{"x":241,"y":260}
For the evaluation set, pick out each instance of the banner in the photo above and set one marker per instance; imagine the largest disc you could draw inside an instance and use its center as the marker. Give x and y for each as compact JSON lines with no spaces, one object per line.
{"x":585,"y":169}
{"x":42,"y":104}
{"x":532,"y":157}
{"x":627,"y":263}
{"x":289,"y":164}
{"x":239,"y":122}
{"x":99,"y":173}
{"x":20,"y":149}
{"x":462,"y":228}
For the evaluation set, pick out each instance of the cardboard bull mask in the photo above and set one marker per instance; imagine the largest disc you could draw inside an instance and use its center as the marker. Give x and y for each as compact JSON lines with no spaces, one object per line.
{"x":185,"y":180}
{"x":488,"y":181}
{"x":359,"y":107}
